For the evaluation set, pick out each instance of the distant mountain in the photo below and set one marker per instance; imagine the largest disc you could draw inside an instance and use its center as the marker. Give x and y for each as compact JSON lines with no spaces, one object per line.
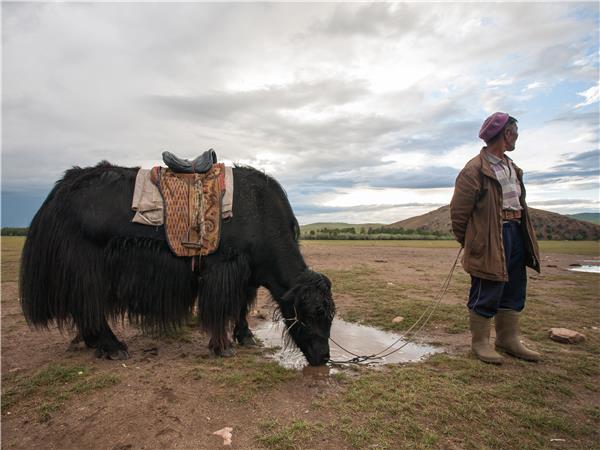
{"x":588,"y":217}
{"x":436,"y":220}
{"x":548,"y":225}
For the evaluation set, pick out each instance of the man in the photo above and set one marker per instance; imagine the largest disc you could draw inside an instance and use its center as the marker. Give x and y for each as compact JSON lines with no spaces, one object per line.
{"x":491,"y":221}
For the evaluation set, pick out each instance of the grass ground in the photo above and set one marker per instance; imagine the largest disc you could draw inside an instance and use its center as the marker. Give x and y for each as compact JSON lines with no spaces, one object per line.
{"x":519,"y":405}
{"x":11,"y":257}
{"x":450,"y":401}
{"x":591,"y":248}
{"x":48,"y":389}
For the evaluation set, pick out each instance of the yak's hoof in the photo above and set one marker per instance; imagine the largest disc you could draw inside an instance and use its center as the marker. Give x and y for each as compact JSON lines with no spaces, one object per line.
{"x":114,"y":354}
{"x":76,"y":344}
{"x":248,"y":341}
{"x":225,"y":353}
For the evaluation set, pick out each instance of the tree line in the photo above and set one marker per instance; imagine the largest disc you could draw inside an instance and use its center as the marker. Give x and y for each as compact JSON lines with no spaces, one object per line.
{"x":374,"y":233}
{"x":13,"y":231}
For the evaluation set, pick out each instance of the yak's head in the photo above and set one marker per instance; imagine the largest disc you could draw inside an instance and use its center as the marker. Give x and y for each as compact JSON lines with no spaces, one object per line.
{"x":308,"y":310}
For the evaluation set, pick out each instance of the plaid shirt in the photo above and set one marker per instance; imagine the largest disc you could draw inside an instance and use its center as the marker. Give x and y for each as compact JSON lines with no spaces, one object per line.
{"x":507,"y":176}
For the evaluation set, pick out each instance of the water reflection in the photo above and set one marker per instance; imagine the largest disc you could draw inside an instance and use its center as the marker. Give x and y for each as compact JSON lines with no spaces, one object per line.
{"x":359,"y":339}
{"x":586,"y":267}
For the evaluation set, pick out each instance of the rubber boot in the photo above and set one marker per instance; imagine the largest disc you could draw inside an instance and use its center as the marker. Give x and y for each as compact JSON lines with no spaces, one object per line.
{"x":507,"y":336}
{"x":480,"y":339}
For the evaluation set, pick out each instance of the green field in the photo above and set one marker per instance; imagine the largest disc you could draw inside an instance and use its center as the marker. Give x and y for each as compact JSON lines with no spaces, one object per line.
{"x":11,"y":247}
{"x":591,"y":248}
{"x":11,"y":256}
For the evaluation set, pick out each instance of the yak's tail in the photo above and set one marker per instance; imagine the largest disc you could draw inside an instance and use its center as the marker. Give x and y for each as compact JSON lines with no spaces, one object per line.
{"x":72,"y":278}
{"x":61,"y":275}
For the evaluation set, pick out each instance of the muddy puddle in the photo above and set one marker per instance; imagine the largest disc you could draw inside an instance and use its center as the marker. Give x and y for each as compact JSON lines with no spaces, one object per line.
{"x":359,"y":339}
{"x":592,"y":266}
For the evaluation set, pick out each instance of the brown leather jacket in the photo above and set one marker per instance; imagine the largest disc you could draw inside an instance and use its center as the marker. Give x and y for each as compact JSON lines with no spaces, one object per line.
{"x":476,"y":214}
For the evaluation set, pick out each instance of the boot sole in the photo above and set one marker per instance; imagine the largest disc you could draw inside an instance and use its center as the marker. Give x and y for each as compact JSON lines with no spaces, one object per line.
{"x":494,"y":361}
{"x":489,"y":361}
{"x":515,"y":355}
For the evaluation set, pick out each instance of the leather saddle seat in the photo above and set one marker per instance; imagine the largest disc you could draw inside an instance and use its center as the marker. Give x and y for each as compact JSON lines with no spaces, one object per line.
{"x":201,"y":164}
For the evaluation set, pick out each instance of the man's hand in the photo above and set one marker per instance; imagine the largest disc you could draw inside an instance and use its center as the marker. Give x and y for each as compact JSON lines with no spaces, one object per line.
{"x":466,"y":192}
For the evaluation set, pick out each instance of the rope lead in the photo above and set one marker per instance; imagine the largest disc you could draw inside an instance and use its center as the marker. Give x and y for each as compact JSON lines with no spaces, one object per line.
{"x":428,"y":311}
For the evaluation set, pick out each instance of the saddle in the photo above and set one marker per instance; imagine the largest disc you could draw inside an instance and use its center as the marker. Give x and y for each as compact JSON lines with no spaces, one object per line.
{"x":201,"y":164}
{"x":192,"y":207}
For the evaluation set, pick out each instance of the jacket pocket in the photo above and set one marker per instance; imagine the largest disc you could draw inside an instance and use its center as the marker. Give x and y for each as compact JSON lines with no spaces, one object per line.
{"x":477,"y":245}
{"x":474,"y":245}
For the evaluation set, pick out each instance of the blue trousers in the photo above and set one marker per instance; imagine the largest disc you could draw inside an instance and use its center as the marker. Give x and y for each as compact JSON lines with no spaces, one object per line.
{"x":486,"y":297}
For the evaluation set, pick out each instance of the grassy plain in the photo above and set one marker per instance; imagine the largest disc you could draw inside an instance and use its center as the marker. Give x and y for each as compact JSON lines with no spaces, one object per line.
{"x":454,"y":401}
{"x":591,"y":248}
{"x":11,"y":257}
{"x":449,"y":401}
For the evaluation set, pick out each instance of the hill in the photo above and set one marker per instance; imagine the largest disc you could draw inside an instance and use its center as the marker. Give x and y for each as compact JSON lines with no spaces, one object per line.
{"x":436,"y":220}
{"x":588,"y":217}
{"x":548,"y":225}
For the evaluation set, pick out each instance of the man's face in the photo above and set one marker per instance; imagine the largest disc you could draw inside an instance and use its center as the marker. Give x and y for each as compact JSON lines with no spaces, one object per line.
{"x":511,"y":134}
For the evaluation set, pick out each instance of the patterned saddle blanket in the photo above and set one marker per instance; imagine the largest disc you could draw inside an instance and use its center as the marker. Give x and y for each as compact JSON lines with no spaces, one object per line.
{"x":192,"y":209}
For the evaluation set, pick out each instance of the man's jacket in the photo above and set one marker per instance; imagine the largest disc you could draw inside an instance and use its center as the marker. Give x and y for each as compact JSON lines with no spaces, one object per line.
{"x":476,"y":214}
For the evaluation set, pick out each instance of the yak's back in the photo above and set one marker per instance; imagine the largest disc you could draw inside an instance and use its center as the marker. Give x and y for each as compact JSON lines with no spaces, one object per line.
{"x":265,"y":195}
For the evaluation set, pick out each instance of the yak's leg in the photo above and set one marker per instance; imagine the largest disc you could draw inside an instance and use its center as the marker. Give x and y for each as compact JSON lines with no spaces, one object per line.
{"x":221,"y":345}
{"x":75,"y":343}
{"x":104,"y":341}
{"x":223,"y":290}
{"x":242,"y":332}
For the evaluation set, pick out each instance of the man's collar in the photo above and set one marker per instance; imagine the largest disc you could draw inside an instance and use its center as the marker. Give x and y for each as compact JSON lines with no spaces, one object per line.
{"x":493,"y":158}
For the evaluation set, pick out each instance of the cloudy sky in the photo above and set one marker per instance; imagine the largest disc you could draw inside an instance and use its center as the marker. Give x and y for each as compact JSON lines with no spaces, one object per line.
{"x":364,"y":112}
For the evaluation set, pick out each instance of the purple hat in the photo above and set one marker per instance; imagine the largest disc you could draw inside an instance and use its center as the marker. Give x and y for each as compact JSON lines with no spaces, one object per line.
{"x":492,"y":125}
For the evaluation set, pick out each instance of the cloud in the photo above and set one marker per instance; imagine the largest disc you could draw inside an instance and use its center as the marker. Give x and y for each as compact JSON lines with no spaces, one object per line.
{"x":393,"y":176}
{"x":533,"y":86}
{"x":585,"y":165}
{"x":316,"y":95}
{"x":376,"y":20}
{"x":334,"y":100}
{"x":319,"y":209}
{"x":591,"y":95}
{"x":371,"y":213}
{"x":565,"y":201}
{"x":503,"y":81}
{"x":588,"y":119}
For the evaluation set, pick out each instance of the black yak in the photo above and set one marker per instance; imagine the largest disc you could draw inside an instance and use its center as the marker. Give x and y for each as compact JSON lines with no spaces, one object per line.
{"x":85,"y":263}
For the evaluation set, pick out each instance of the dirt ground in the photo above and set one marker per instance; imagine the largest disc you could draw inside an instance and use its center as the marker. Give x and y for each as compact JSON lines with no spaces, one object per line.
{"x":158,"y":402}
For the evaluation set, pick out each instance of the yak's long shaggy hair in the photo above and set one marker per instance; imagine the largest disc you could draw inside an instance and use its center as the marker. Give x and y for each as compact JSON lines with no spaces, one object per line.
{"x":75,"y":274}
{"x":84,"y":262}
{"x":223,"y":292}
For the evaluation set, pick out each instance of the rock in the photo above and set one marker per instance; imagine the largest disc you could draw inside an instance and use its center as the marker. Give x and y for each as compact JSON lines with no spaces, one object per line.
{"x":397,"y":319}
{"x":565,"y":336}
{"x":225,"y":433}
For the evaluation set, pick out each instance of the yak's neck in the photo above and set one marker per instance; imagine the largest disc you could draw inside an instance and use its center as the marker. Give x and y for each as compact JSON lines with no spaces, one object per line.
{"x":279,"y":281}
